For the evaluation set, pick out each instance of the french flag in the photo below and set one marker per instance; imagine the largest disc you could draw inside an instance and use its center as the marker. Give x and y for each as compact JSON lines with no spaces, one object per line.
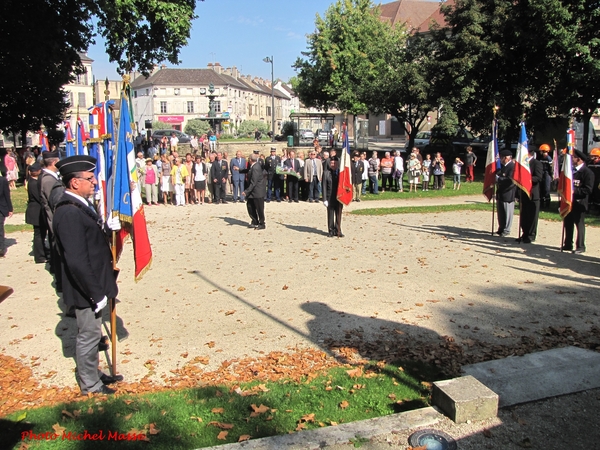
{"x":344,"y":191}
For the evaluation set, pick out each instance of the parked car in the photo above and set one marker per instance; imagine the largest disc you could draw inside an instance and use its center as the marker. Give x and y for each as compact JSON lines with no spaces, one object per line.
{"x":421,"y":140}
{"x":157,"y":135}
{"x":323,"y":135}
{"x":307,"y":134}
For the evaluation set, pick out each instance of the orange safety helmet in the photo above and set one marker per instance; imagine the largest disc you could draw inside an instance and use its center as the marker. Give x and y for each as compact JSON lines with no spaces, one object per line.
{"x":595,"y":152}
{"x":544,"y":148}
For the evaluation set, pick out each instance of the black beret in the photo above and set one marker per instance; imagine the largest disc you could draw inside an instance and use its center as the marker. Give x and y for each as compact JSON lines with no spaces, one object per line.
{"x":49,"y":155}
{"x":35,"y":167}
{"x":78,"y":163}
{"x":580,"y":154}
{"x":504,"y":153}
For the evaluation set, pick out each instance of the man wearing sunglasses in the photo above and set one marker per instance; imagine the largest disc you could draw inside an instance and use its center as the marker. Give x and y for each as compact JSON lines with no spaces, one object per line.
{"x":89,"y":280}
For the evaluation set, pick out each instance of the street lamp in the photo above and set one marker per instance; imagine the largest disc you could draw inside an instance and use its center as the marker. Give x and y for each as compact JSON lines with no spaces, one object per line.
{"x":269,"y":59}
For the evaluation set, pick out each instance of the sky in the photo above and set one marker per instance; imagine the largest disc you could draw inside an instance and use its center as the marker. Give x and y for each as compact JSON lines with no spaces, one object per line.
{"x":240,"y":33}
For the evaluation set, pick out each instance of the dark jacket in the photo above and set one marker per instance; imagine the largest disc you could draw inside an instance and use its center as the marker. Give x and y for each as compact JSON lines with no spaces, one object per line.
{"x":271,"y":165}
{"x":357,"y":171}
{"x":51,"y":189}
{"x":88,"y":273}
{"x":258,"y":182}
{"x":330,"y":188}
{"x":583,"y":184}
{"x":5,"y":203}
{"x":293,"y":164}
{"x":219,"y":170}
{"x":33,"y":214}
{"x":537,"y":174}
{"x":506,"y":187}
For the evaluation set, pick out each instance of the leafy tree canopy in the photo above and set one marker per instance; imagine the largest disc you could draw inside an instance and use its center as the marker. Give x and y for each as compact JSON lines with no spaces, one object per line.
{"x":247,"y":127}
{"x":197,"y":127}
{"x":41,"y":41}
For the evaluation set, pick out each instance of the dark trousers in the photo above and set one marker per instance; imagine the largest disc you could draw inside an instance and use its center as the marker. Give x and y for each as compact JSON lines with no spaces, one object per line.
{"x":530,"y":211}
{"x":256,"y":210}
{"x":576,"y":218}
{"x":313,"y":190}
{"x":39,"y":235}
{"x":438,"y":181}
{"x":292,"y":185}
{"x":386,"y":181}
{"x":2,"y":242}
{"x":55,"y":261}
{"x":219,"y":191}
{"x":274,"y":185}
{"x":334,"y":217}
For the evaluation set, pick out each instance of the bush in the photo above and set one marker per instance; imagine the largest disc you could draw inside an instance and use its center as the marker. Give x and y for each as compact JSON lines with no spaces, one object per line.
{"x":158,"y":125}
{"x":197,"y":127}
{"x":288,"y":128}
{"x":247,"y":128}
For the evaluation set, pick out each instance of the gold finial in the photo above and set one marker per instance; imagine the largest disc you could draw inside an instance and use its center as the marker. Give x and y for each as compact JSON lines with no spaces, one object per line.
{"x":495,"y":110}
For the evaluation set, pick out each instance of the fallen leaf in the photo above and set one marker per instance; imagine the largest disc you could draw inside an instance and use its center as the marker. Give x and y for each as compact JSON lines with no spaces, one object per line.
{"x":199,"y":419}
{"x":259,"y":409}
{"x":210,"y":344}
{"x":418,"y":304}
{"x":355,"y":373}
{"x":152,"y":429}
{"x":222,"y":435}
{"x":58,"y":429}
{"x":285,"y":287}
{"x":240,"y":289}
{"x":244,"y":437}
{"x":308,"y":418}
{"x":344,"y":404}
{"x":301,"y":426}
{"x":184,"y":355}
{"x":67,"y":413}
{"x":128,"y":416}
{"x":217,"y":410}
{"x":222,"y":426}
{"x":229,"y":313}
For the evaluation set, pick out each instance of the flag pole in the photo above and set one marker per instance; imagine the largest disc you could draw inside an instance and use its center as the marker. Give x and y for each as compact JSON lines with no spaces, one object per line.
{"x":495,"y":127}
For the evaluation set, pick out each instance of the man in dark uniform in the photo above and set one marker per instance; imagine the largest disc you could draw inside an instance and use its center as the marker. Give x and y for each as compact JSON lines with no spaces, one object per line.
{"x":505,"y":193}
{"x":33,"y":214}
{"x":51,"y":189}
{"x":334,"y":206}
{"x":583,"y":184}
{"x":594,"y":166}
{"x":219,"y":173}
{"x":274,"y":182}
{"x":530,"y":207}
{"x":546,"y":182}
{"x":89,"y":279}
{"x":255,"y":193}
{"x":358,"y":168}
{"x":6,"y":210}
{"x":292,"y":181}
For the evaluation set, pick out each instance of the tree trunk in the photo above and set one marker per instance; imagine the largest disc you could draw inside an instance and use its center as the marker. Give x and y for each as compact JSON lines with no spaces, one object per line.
{"x":587,"y":116}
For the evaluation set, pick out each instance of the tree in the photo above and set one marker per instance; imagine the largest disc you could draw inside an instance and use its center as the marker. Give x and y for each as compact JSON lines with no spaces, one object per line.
{"x":247,"y":127}
{"x":358,"y":63}
{"x":197,"y":127}
{"x":41,"y":41}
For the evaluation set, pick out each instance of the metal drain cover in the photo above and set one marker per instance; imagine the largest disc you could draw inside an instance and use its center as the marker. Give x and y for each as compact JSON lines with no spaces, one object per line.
{"x":432,"y":440}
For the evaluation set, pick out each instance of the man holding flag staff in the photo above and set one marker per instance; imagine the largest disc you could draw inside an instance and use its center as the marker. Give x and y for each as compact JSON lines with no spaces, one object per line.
{"x":505,"y":193}
{"x":89,"y":279}
{"x":530,"y":206}
{"x":583,"y":184}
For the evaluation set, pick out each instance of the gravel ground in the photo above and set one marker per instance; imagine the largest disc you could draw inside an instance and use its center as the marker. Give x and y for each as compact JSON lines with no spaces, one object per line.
{"x":425,"y":277}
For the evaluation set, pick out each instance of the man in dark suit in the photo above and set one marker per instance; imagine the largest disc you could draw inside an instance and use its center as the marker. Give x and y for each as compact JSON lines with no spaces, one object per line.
{"x":583,"y":184}
{"x":89,"y":279}
{"x":33,"y":214}
{"x":505,"y":193}
{"x":6,"y":210}
{"x":292,"y":180}
{"x":255,"y":193}
{"x":358,"y":168}
{"x":219,"y":172}
{"x":274,"y":180}
{"x":334,"y":206}
{"x":237,"y":179}
{"x":530,"y":206}
{"x":51,"y":189}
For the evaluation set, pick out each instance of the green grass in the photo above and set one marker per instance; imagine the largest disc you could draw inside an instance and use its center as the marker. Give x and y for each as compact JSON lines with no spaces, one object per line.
{"x":17,"y":228}
{"x":18,"y":197}
{"x":184,"y":417}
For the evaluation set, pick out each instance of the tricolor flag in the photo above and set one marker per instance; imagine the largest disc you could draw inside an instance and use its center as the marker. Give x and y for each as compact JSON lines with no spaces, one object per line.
{"x":69,"y":139}
{"x":96,"y":150}
{"x":565,"y":186}
{"x":81,"y":149}
{"x":109,"y":145}
{"x":522,"y":175}
{"x":491,"y":163}
{"x":344,"y":191}
{"x":127,"y":199}
{"x":44,"y":141}
{"x":570,"y":141}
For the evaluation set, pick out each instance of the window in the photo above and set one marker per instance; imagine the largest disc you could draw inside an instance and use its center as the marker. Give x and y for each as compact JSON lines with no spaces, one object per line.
{"x":81,"y":99}
{"x":217,"y":106}
{"x":71,"y":101}
{"x":249,"y":110}
{"x":269,"y":111}
{"x":190,"y":107}
{"x":163,"y":107}
{"x":134,"y":94}
{"x":147,"y":92}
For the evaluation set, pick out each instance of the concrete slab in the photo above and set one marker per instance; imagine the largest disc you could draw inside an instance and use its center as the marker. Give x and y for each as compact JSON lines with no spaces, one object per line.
{"x":465,"y":399}
{"x":539,"y":375}
{"x":341,"y":434}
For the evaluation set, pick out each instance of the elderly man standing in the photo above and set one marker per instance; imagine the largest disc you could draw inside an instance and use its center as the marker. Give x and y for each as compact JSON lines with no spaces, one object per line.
{"x":313,"y":175}
{"x":237,"y":178}
{"x":505,"y":193}
{"x":87,"y":262}
{"x":255,"y":194}
{"x":219,"y":172}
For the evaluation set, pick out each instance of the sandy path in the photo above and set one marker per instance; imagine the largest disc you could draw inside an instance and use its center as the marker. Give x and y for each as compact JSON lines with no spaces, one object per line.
{"x":250,"y":292}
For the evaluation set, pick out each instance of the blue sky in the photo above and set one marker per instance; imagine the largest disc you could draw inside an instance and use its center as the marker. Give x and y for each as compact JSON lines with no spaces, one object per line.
{"x":240,"y":33}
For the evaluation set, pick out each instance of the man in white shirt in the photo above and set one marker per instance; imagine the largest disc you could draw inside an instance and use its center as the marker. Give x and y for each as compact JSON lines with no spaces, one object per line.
{"x":174,"y":142}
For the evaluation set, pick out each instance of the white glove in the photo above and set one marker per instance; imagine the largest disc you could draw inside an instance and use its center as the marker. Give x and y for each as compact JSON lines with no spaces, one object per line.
{"x":101,"y":304}
{"x":114,"y":223}
{"x":326,"y":203}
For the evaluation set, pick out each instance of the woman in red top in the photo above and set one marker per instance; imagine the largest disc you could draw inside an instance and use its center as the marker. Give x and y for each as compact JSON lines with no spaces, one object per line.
{"x":387,"y":166}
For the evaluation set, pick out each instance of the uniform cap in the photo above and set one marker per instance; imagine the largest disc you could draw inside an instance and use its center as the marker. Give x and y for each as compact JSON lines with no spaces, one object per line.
{"x":78,"y":163}
{"x":49,"y":155}
{"x":580,"y":154}
{"x":504,"y":153}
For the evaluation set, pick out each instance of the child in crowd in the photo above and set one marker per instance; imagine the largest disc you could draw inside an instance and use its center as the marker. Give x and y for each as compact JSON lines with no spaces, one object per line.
{"x":425,"y":179}
{"x":456,"y":168}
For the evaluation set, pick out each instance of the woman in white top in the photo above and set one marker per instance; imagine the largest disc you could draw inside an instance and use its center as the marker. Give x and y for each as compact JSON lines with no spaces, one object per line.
{"x":398,"y":171}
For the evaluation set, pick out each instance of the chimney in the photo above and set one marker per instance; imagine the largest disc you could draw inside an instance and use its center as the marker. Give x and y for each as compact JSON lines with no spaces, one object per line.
{"x":234,"y":72}
{"x":210,"y":65}
{"x":227,"y":71}
{"x":218,"y":68}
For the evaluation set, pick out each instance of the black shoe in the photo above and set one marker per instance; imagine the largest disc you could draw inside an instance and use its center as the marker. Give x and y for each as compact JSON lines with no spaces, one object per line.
{"x":526,"y":241}
{"x":290,"y":201}
{"x":310,"y":200}
{"x":268,"y":200}
{"x":341,"y":235}
{"x":260,"y":227}
{"x":224,"y":202}
{"x":104,"y":390}
{"x":108,"y":379}
{"x":566,"y":248}
{"x":579,"y":250}
{"x":296,"y":201}
{"x":358,"y":199}
{"x":278,"y":200}
{"x":253,"y":225}
{"x":41,"y":261}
